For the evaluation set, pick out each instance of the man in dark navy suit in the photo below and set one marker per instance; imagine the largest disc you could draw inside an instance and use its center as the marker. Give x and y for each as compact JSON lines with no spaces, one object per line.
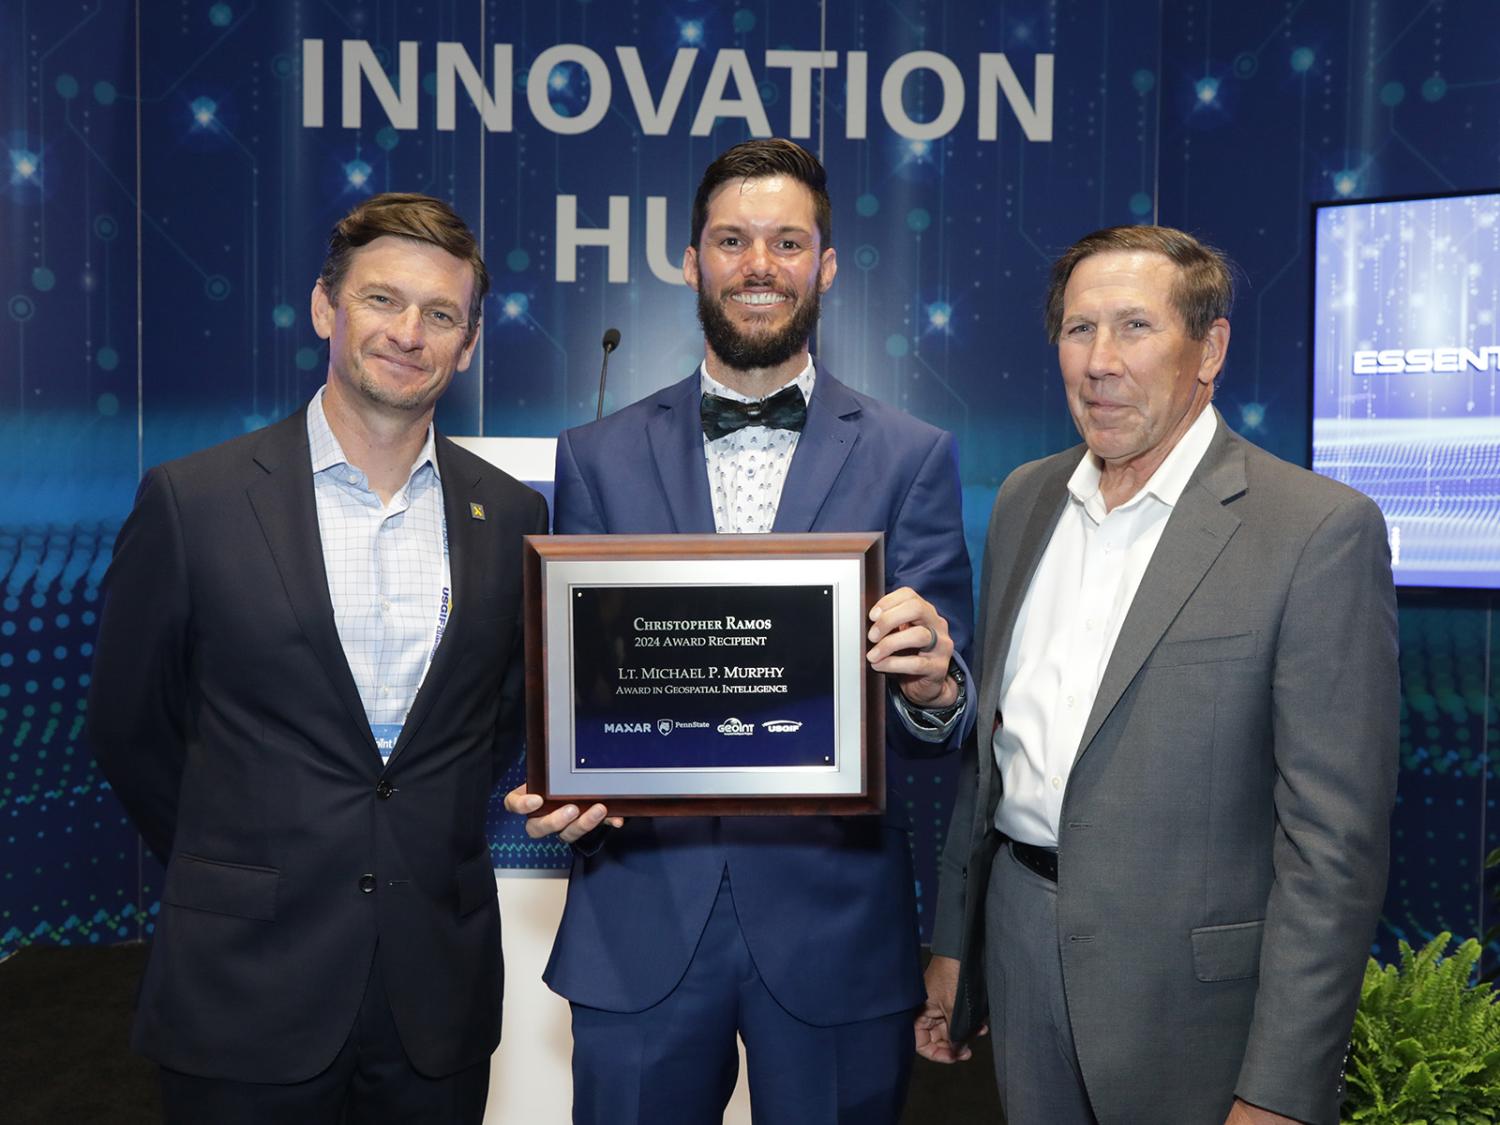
{"x":307,"y":682}
{"x":797,"y":933}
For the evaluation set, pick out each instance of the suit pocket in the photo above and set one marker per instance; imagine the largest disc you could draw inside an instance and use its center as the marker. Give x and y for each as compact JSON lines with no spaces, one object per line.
{"x":237,"y":889}
{"x":1227,"y":952}
{"x":1204,"y":650}
{"x":476,"y":882}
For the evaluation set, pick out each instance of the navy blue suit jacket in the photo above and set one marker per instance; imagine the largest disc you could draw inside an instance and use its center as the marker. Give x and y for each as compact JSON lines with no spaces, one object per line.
{"x":225,"y":716}
{"x":826,"y":904}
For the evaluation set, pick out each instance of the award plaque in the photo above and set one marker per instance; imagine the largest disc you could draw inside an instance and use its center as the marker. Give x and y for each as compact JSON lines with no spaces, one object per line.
{"x":696,"y":675}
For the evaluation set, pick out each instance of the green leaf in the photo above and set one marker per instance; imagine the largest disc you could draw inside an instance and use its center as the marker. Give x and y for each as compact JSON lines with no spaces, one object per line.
{"x":1425,"y":1045}
{"x":1419,"y":1085}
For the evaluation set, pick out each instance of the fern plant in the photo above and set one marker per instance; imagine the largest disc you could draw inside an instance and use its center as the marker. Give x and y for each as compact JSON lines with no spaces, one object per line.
{"x":1426,"y":1044}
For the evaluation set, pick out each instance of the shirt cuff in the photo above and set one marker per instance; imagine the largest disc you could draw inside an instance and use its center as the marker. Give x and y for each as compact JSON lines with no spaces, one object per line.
{"x":931,"y":725}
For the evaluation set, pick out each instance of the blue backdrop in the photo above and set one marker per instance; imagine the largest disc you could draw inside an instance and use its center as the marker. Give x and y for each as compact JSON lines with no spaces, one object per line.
{"x":173,"y":169}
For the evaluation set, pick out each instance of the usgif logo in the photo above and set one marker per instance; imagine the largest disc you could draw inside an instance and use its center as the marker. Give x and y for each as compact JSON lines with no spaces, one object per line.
{"x":782,"y":726}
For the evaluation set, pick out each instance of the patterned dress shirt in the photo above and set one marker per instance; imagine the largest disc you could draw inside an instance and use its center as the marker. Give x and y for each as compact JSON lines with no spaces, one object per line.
{"x":388,"y":573}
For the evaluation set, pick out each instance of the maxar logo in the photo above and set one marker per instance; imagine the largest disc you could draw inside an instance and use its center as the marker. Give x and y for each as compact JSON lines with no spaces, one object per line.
{"x":735,"y":726}
{"x":627,"y":728}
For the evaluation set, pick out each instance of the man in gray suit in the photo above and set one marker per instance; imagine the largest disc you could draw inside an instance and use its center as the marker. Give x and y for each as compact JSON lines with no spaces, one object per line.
{"x":1169,"y":851}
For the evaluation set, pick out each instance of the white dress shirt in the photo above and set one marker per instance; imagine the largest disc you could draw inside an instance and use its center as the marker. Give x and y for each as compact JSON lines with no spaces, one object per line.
{"x":1066,"y":630}
{"x":388,"y":573}
{"x":747,"y":469}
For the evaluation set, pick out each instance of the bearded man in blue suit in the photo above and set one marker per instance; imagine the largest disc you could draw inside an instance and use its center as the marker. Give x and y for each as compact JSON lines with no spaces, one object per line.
{"x":797,"y":933}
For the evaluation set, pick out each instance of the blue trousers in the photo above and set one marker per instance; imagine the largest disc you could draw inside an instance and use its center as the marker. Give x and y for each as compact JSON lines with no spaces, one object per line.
{"x":676,"y":1063}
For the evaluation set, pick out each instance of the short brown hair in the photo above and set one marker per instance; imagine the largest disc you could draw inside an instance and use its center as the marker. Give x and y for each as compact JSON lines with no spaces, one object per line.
{"x":420,"y":218}
{"x":753,"y":160}
{"x":1202,"y":293}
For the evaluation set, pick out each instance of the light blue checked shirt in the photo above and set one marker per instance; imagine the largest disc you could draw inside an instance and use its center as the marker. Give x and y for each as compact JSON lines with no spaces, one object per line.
{"x":388,"y":573}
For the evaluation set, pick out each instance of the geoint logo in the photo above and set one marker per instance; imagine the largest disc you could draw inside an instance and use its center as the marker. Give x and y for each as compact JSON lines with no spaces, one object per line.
{"x":782,"y":726}
{"x":735,"y":726}
{"x":1423,"y":361}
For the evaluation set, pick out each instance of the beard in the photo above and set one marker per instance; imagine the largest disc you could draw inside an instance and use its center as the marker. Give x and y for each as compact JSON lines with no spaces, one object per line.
{"x":747,"y":352}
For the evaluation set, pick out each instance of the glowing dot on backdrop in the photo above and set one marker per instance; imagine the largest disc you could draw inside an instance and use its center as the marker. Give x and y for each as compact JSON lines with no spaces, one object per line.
{"x":24,"y":164}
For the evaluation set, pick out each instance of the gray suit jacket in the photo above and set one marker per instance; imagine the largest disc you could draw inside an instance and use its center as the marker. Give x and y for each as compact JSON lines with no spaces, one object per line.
{"x":1224,"y":836}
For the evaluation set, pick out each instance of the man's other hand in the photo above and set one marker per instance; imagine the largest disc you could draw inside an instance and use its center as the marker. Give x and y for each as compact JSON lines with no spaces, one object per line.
{"x":566,"y":823}
{"x":932,"y":1021}
{"x":1243,"y":1113}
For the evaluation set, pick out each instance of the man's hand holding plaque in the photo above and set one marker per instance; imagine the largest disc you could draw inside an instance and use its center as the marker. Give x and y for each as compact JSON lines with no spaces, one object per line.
{"x":566,"y":823}
{"x":910,"y":644}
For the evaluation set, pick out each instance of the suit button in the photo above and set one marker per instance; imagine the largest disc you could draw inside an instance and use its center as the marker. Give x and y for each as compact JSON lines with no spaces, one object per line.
{"x":367,"y":884}
{"x":384,"y":789}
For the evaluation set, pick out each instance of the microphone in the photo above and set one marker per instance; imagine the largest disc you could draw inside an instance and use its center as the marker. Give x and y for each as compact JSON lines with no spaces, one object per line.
{"x":610,"y":342}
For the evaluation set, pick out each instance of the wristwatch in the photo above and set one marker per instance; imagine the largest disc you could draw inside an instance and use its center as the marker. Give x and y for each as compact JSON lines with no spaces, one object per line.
{"x":941,"y":715}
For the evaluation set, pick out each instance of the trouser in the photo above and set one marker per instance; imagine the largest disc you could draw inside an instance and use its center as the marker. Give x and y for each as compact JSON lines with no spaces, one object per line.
{"x":1036,"y":1063}
{"x":676,"y":1063}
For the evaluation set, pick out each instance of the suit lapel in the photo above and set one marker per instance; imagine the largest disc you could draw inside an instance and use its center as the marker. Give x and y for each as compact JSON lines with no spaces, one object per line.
{"x":283,"y":502}
{"x":464,"y":549}
{"x":829,"y":436}
{"x":676,"y":439}
{"x":1197,"y":532}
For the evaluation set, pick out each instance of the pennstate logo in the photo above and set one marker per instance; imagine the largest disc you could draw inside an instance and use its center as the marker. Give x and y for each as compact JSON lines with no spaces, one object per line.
{"x":627,"y":728}
{"x":783,"y":726}
{"x":664,"y":726}
{"x":735,"y":726}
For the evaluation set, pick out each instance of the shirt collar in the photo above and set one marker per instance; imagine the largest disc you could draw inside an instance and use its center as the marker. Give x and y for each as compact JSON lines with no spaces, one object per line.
{"x":327,"y":453}
{"x":711,"y":386}
{"x":1171,"y":476}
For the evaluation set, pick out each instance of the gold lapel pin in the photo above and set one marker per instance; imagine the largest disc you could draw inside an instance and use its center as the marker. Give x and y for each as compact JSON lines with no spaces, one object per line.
{"x":476,"y":511}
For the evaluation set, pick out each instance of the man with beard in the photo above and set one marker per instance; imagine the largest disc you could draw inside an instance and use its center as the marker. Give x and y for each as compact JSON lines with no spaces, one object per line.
{"x":307,"y":681}
{"x":797,"y":933}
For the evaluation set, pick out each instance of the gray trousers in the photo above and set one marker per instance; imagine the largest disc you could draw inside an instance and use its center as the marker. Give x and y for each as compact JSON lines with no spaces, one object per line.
{"x":1036,"y":1064}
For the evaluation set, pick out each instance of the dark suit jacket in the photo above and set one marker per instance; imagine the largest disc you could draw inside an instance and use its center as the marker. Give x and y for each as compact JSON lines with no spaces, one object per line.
{"x":224,"y":715}
{"x":1224,"y":834}
{"x":826,"y":903}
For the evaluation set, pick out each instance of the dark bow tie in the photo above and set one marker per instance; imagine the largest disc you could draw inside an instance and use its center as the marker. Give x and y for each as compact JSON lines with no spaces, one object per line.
{"x":785,"y":410}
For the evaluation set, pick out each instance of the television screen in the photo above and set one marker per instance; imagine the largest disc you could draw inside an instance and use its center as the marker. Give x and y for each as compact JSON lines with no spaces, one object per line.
{"x":1406,"y":375}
